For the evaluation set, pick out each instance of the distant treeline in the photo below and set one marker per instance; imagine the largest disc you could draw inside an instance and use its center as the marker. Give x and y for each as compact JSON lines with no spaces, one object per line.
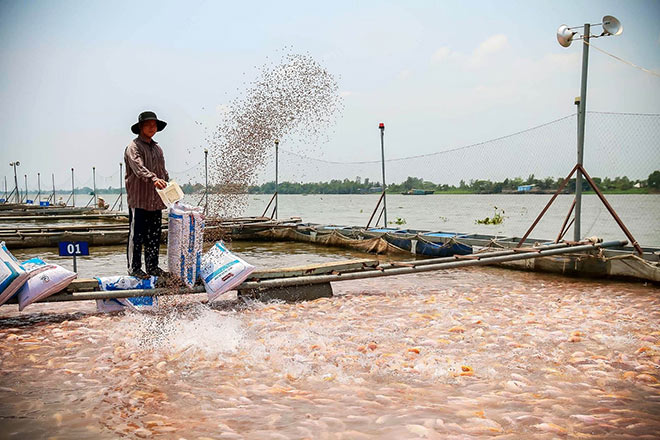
{"x":365,"y":186}
{"x":548,"y":184}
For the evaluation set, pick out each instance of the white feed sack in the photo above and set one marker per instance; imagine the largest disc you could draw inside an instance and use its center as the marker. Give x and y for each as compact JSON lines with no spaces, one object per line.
{"x":44,"y":279}
{"x":221,"y":270}
{"x":12,"y":274}
{"x":185,"y":236}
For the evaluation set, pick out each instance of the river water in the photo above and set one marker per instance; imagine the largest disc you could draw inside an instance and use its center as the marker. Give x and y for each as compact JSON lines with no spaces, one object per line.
{"x":471,"y":353}
{"x":459,"y":213}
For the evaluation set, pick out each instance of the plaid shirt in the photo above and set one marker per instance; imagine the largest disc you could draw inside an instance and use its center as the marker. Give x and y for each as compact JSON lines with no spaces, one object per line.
{"x":145,"y":164}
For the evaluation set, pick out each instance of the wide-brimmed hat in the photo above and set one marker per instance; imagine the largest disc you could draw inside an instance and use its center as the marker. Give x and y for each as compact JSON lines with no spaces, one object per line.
{"x":147,"y":116}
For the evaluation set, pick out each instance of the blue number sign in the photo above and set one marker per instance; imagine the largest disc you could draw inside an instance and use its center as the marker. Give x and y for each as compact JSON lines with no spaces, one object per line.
{"x":73,"y":248}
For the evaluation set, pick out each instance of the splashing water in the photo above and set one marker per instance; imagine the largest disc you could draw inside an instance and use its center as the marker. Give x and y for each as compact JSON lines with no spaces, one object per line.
{"x":196,"y":331}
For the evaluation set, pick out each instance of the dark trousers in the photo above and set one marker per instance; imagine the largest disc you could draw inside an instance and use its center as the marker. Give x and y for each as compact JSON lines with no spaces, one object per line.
{"x":144,"y":229}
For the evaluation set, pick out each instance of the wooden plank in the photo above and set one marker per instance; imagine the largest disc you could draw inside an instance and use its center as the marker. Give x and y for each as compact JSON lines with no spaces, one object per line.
{"x":289,"y":293}
{"x":83,"y":285}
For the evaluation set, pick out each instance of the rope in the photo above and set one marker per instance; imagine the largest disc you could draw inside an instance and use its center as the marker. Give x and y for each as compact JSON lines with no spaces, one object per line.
{"x":623,"y":61}
{"x":465,"y":147}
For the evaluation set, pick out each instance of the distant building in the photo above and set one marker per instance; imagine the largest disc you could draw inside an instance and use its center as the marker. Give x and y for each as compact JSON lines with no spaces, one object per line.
{"x":525,"y":188}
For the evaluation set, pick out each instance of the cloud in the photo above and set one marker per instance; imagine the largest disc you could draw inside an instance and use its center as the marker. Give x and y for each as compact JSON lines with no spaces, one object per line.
{"x":404,"y":74}
{"x":491,"y":45}
{"x":441,"y":54}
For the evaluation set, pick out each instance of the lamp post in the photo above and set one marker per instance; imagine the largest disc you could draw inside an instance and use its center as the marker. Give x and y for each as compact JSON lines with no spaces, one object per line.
{"x":121,"y":186}
{"x":96,"y":200}
{"x":15,"y":164}
{"x":73,"y":190}
{"x":277,"y":144}
{"x":381,"y":126}
{"x":565,"y":36}
{"x":206,"y":179}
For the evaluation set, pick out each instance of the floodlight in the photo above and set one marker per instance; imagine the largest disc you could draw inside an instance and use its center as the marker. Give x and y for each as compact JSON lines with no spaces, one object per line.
{"x":612,"y":26}
{"x":565,"y":35}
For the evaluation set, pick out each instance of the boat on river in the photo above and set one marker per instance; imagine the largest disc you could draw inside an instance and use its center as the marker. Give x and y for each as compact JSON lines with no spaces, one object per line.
{"x":417,"y":192}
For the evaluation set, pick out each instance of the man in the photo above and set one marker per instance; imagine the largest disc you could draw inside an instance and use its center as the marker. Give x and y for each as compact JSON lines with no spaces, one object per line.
{"x":145,"y":172}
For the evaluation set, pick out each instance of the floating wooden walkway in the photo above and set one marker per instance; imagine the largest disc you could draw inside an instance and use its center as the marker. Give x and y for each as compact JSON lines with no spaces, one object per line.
{"x":312,"y":282}
{"x":117,"y":233}
{"x":121,"y":216}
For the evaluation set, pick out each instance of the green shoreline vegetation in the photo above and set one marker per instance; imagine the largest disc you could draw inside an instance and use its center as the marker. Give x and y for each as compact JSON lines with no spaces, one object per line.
{"x":618,"y":185}
{"x":548,"y":185}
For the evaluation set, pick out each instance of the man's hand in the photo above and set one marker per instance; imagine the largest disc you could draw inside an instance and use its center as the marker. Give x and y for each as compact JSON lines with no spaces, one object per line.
{"x":160,"y":184}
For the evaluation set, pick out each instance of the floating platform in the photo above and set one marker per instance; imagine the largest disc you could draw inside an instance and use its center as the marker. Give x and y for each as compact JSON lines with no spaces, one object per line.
{"x":313,"y":282}
{"x":621,"y":261}
{"x":117,"y":234}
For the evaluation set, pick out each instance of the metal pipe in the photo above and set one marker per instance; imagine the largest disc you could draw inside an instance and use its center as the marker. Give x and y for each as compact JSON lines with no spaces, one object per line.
{"x":320,"y":279}
{"x":73,"y":189}
{"x":477,"y":256}
{"x":381,"y":126}
{"x":375,"y":209}
{"x":562,"y":230}
{"x":317,"y":279}
{"x":581,"y":125}
{"x":547,"y":206}
{"x":269,"y":203}
{"x":612,"y":212}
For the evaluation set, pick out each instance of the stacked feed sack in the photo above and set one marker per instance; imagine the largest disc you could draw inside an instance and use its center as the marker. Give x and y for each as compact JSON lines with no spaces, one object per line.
{"x":185,"y":236}
{"x":44,"y":279}
{"x":12,"y":274}
{"x":32,"y":280}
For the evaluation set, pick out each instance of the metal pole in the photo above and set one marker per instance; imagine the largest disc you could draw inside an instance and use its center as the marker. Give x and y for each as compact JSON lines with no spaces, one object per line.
{"x":277,"y":187}
{"x":96,"y":202}
{"x":38,"y":187}
{"x":26,"y":188}
{"x":5,"y":197}
{"x":206,"y":178}
{"x":73,"y":189}
{"x":612,"y":212}
{"x":382,"y":151}
{"x":581,"y":122}
{"x":18,"y":197}
{"x":75,"y":266}
{"x":121,"y":186}
{"x":53,"y":177}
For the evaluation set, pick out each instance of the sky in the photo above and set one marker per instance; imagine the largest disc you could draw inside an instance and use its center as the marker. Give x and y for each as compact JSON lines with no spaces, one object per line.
{"x":440,"y":74}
